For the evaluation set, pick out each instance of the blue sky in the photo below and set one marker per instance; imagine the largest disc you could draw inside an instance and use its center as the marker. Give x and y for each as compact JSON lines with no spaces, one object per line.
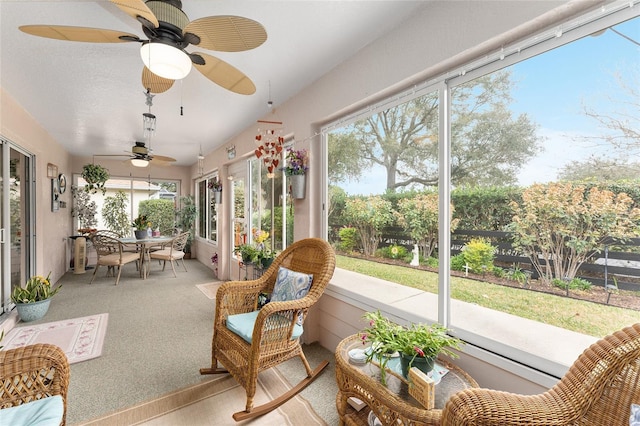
{"x":552,"y":88}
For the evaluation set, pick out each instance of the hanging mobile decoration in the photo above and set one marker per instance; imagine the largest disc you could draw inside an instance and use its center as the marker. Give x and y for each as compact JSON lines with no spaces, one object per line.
{"x":270,"y":141}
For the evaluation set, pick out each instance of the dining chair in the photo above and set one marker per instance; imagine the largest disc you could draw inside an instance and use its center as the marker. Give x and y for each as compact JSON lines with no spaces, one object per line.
{"x":111,"y":253}
{"x":173,"y":253}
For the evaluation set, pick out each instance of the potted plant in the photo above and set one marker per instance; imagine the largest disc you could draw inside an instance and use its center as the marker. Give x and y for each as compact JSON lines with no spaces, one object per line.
{"x":296,"y":166}
{"x":216,"y":189}
{"x":186,"y":218}
{"x":140,"y":226}
{"x":95,"y":176}
{"x":32,"y":301}
{"x":248,"y":253}
{"x":418,"y":345}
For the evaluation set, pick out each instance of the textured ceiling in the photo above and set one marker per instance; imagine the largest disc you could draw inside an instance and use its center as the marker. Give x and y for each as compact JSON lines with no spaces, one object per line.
{"x":89,"y":96}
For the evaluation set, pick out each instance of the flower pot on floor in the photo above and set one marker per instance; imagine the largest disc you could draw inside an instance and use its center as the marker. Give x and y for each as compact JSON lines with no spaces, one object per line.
{"x":33,"y":311}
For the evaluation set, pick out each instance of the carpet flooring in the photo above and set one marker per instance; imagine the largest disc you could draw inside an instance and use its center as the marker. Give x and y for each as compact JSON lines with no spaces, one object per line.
{"x":80,"y":338}
{"x":159,"y":336}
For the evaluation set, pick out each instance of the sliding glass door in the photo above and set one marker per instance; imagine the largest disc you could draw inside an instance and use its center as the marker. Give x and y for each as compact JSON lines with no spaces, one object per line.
{"x":16,"y":219}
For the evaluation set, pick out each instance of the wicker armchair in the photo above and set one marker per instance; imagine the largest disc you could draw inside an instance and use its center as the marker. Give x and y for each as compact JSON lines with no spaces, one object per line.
{"x":272,"y":341}
{"x":30,"y":373}
{"x":111,"y":254}
{"x":598,"y":389}
{"x":172,"y":253}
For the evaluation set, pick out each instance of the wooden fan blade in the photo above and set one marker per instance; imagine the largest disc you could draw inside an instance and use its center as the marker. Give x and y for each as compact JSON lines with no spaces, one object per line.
{"x":137,"y":9}
{"x":225,"y":75}
{"x":159,"y":162}
{"x":154,"y":83}
{"x":227,"y":33}
{"x":163,"y":158}
{"x":89,"y":35}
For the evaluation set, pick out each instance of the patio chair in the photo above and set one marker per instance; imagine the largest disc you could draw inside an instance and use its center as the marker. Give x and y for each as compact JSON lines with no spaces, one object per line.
{"x":172,"y":253}
{"x":29,"y":376}
{"x":248,"y":340}
{"x":111,"y":254}
{"x":598,"y":389}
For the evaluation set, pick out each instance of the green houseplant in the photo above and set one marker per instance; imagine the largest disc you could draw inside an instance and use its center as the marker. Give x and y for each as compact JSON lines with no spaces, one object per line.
{"x":186,"y":218}
{"x":248,"y":253}
{"x":418,"y":344}
{"x":96,"y":176}
{"x":32,"y":301}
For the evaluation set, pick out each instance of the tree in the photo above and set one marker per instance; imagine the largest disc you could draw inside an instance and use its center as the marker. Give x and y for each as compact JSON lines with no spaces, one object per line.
{"x":560,"y":225}
{"x":489,"y":144}
{"x":161,"y":213}
{"x":418,"y":215}
{"x":369,"y":215}
{"x":114,"y":214}
{"x":598,"y":169}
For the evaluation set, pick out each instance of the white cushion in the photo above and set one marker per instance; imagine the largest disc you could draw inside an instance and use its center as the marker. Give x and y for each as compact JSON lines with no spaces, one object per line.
{"x":242,"y":325}
{"x":634,"y":419}
{"x":43,"y":412}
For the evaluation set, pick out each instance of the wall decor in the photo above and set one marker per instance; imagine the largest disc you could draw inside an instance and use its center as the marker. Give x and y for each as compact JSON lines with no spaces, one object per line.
{"x":52,"y":171}
{"x":55,"y":195}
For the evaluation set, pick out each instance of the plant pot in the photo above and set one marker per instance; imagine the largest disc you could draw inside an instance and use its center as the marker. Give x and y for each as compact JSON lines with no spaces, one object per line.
{"x":33,"y":311}
{"x":266,"y":262}
{"x":298,"y":185}
{"x":217,"y":197}
{"x":140,"y":234}
{"x":423,"y":364}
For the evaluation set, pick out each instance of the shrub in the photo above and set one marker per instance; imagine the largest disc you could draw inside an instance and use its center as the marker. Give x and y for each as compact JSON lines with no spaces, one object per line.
{"x":478,"y":254}
{"x":348,"y":239}
{"x":393,"y":252}
{"x":458,"y":262}
{"x":432,"y":262}
{"x":574,"y":284}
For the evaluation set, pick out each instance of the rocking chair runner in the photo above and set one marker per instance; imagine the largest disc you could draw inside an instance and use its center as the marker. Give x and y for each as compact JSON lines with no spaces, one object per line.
{"x":277,"y":326}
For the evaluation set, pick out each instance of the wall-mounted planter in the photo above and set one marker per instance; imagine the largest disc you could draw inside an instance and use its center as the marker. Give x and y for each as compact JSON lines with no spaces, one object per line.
{"x":298,"y":186}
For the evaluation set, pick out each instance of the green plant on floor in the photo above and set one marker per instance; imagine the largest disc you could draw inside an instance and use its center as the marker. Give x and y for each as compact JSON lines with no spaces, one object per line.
{"x":96,"y":176}
{"x":36,"y":289}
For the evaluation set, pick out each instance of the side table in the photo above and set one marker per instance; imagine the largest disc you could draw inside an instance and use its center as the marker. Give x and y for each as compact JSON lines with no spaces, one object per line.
{"x":391,"y":403}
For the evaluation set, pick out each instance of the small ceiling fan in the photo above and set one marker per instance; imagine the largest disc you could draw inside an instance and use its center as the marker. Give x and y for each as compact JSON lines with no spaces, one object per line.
{"x":142,"y":156}
{"x":169,"y":32}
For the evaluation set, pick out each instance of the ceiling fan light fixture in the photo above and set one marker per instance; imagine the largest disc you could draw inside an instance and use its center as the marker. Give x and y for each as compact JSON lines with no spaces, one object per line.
{"x":165,"y":61}
{"x":139,"y":162}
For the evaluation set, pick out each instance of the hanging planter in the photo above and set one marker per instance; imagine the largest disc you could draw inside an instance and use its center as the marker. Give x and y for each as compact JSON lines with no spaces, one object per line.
{"x":95,"y":176}
{"x":296,"y":170}
{"x":298,"y":186}
{"x":216,"y":190}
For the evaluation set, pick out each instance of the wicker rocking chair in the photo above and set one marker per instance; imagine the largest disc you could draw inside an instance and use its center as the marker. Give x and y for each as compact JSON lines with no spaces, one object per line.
{"x":598,"y":389}
{"x":271,"y":334}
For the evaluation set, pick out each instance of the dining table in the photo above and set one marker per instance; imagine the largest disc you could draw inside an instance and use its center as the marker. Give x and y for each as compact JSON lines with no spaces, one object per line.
{"x":144,"y":246}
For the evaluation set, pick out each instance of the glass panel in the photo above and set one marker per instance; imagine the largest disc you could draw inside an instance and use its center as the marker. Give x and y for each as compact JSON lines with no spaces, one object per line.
{"x":543,"y":150}
{"x":203,"y":201}
{"x":383,"y":194}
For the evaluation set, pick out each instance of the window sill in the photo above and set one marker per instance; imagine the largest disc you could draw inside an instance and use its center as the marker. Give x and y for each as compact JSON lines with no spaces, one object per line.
{"x":538,"y":352}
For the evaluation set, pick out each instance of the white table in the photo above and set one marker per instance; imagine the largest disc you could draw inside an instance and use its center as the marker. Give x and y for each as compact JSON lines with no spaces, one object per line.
{"x":144,"y":245}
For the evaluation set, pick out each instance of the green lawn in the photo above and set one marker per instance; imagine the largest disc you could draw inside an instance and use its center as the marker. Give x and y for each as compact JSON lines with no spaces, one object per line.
{"x":571,"y":314}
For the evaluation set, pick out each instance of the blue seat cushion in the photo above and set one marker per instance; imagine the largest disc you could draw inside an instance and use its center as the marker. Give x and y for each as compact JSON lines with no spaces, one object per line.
{"x":43,"y":412}
{"x":242,"y":325}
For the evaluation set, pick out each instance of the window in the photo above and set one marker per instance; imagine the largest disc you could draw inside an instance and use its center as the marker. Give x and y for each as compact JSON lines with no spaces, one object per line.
{"x":553,"y":112}
{"x":207,"y":209}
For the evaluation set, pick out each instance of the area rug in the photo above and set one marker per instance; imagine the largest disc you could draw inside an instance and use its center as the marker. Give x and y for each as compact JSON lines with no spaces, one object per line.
{"x":80,"y":338}
{"x":209,"y":289}
{"x":213,"y":402}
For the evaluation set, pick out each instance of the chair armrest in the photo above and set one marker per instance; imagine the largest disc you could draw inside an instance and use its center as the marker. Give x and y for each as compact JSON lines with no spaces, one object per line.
{"x":485,"y":406}
{"x":33,"y":372}
{"x":237,"y":297}
{"x":276,"y":320}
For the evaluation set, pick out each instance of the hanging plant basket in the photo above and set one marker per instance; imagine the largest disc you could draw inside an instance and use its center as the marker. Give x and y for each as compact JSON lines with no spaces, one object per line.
{"x":96,"y":176}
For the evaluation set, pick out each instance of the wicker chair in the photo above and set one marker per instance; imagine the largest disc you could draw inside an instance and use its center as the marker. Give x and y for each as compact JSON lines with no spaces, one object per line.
{"x":173,"y":253}
{"x":598,"y":389}
{"x":30,"y":373}
{"x":111,"y":254}
{"x":272,"y":341}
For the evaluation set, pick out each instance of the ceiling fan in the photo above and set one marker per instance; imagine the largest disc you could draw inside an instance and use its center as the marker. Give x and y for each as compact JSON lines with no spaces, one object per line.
{"x":169,"y":32}
{"x":142,"y":156}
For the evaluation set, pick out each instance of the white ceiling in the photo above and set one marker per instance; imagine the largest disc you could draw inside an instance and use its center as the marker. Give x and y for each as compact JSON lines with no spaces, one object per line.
{"x":90,"y":98}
